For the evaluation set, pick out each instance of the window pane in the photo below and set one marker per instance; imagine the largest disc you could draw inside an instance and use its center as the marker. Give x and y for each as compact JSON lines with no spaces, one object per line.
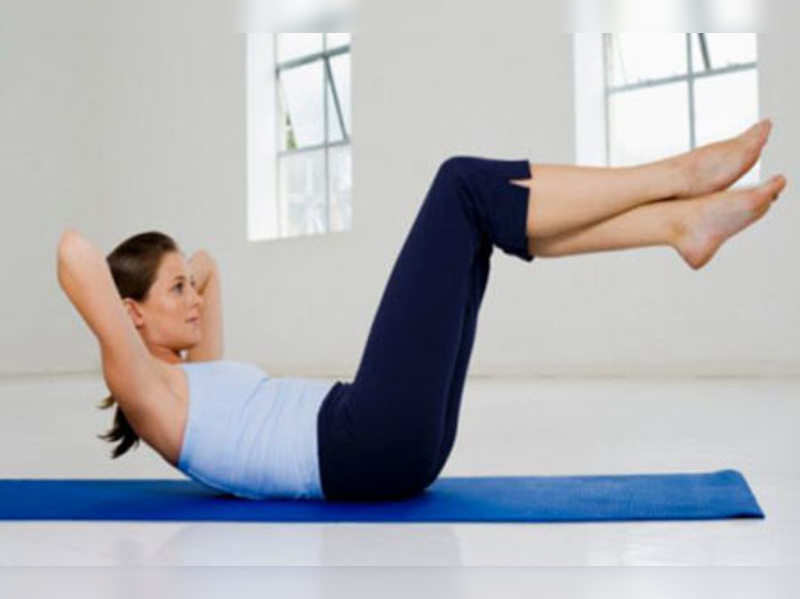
{"x":293,"y":45}
{"x":334,"y":128}
{"x":301,"y":100}
{"x":726,"y":105}
{"x":302,"y":193}
{"x":341,"y":173}
{"x":724,"y":49}
{"x":636,"y":57}
{"x":731,"y":48}
{"x":648,"y":124}
{"x":335,"y":40}
{"x":340,"y":67}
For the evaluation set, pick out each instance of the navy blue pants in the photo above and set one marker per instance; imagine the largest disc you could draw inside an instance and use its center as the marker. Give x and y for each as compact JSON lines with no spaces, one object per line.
{"x":388,"y":433}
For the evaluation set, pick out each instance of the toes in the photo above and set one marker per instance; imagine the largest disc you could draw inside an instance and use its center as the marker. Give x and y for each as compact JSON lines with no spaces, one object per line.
{"x":759,"y":132}
{"x":757,"y":200}
{"x":765,"y":131}
{"x":762,"y":210}
{"x":765,"y":125}
{"x":767,"y":192}
{"x":776,"y":184}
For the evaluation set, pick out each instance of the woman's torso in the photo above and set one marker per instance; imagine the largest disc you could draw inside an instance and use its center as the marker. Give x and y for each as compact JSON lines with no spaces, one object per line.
{"x":175,"y":411}
{"x":233,"y":427}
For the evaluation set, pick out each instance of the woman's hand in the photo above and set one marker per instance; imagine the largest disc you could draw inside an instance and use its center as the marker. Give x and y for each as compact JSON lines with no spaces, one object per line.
{"x":201,"y":267}
{"x":204,"y":269}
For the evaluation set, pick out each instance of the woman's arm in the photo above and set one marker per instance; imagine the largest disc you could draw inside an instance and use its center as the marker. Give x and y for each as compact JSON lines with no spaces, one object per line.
{"x":128,"y":368}
{"x":204,"y":269}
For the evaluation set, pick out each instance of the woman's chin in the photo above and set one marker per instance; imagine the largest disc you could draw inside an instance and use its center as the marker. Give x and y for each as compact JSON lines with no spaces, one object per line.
{"x":192,"y":341}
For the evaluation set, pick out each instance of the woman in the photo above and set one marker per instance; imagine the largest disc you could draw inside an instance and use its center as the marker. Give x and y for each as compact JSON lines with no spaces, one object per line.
{"x":388,"y":433}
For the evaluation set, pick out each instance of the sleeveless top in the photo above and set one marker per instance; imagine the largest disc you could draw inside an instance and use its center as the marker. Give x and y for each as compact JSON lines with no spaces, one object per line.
{"x":252,"y":435}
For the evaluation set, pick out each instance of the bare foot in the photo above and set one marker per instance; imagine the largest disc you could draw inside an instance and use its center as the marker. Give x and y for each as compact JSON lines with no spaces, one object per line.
{"x":715,"y":217}
{"x":715,"y":166}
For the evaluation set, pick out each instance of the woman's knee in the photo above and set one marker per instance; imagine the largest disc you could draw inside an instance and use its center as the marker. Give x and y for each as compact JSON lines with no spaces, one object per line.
{"x":454,"y":168}
{"x":454,"y":186}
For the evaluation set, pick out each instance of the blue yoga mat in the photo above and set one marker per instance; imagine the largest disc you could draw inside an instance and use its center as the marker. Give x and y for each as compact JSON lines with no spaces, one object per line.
{"x":714,"y":495}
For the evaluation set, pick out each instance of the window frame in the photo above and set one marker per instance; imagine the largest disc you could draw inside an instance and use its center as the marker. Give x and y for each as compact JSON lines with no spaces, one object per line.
{"x":261,"y":118}
{"x":328,"y":80}
{"x":690,"y":77}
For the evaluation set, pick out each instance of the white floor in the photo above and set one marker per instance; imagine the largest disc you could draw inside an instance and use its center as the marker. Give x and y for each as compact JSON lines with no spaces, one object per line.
{"x":507,"y":426}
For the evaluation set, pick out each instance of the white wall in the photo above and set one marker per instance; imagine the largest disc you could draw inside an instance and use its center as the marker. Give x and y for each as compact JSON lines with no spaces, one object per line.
{"x":49,"y":159}
{"x":123,"y":117}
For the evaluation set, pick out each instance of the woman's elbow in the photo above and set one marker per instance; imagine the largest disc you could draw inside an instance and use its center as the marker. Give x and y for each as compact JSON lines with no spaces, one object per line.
{"x":72,"y":243}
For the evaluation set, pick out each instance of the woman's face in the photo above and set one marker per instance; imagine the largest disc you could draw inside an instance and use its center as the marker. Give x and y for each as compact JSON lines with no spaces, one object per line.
{"x":169,"y":319}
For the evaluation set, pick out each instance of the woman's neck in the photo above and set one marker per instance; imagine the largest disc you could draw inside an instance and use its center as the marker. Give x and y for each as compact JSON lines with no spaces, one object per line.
{"x":167,"y":355}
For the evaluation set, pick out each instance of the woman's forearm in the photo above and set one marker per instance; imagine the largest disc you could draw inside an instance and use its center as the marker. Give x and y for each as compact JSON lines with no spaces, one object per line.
{"x":85,"y":277}
{"x":78,"y":263}
{"x":209,"y":288}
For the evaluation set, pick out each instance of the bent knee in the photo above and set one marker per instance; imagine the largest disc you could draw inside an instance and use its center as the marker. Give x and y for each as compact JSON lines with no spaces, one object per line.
{"x":454,"y":167}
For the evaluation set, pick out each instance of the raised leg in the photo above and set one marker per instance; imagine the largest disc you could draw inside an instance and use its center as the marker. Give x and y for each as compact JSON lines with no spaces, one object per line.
{"x":652,"y":224}
{"x":566,"y":197}
{"x":695,"y":227}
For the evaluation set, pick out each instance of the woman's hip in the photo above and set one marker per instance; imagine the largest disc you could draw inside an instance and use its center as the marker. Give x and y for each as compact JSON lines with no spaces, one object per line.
{"x":360,"y":460}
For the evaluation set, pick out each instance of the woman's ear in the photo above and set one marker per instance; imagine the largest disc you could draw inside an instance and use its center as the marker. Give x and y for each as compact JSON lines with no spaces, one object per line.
{"x":133,"y":311}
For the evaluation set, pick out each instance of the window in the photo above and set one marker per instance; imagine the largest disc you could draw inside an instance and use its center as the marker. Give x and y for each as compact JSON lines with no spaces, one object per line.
{"x":299,"y":134}
{"x":664,"y":93}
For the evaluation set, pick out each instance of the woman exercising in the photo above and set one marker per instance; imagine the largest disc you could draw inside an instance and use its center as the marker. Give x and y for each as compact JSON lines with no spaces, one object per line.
{"x":388,"y":433}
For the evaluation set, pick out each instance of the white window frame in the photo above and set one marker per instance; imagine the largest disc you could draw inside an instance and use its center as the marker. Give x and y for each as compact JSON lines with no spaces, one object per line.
{"x":592,"y":93}
{"x":262,"y":196}
{"x":263,"y":201}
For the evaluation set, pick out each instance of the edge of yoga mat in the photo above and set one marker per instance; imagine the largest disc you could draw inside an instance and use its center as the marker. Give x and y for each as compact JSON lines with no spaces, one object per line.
{"x":590,"y":498}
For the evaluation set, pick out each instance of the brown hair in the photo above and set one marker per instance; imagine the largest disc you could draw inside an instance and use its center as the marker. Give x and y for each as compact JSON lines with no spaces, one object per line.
{"x":134,"y":264}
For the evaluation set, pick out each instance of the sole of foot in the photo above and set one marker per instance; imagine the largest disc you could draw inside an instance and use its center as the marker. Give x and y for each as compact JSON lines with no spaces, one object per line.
{"x":715,"y":166}
{"x":716,"y":217}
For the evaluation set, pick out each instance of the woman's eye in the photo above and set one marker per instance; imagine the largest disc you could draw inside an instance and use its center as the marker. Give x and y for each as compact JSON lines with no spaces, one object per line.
{"x":180,"y":285}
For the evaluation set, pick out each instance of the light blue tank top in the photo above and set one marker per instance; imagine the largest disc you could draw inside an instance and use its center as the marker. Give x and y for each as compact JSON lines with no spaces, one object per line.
{"x":252,"y":435}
